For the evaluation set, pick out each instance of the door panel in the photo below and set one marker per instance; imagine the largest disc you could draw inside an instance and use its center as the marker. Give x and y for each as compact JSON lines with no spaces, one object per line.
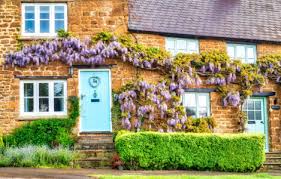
{"x":95,"y":101}
{"x":256,"y":111}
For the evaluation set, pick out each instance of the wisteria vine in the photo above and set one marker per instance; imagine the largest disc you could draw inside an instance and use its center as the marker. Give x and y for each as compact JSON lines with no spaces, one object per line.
{"x":150,"y":102}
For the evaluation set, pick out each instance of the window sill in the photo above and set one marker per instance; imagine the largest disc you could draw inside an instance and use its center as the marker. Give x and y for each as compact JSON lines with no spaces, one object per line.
{"x":47,"y":1}
{"x":34,"y":118}
{"x":27,"y":38}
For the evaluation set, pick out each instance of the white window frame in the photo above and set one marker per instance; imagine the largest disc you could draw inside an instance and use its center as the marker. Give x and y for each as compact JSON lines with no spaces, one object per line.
{"x":51,"y":96}
{"x":197,"y":102}
{"x":196,"y":41}
{"x":37,"y":33}
{"x":246,"y":46}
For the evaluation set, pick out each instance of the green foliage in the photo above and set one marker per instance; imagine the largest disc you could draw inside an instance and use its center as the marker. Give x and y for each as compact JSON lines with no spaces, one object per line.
{"x":63,"y":34}
{"x":2,"y":145}
{"x":116,"y":114}
{"x":51,"y":132}
{"x":215,"y":57}
{"x":248,"y":76}
{"x":192,"y":175}
{"x":152,"y":150}
{"x":38,"y":156}
{"x":200,"y":125}
{"x":20,"y":43}
{"x":184,"y":60}
{"x":103,"y":36}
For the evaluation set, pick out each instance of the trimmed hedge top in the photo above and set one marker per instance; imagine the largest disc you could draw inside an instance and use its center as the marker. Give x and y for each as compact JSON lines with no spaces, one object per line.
{"x":152,"y":150}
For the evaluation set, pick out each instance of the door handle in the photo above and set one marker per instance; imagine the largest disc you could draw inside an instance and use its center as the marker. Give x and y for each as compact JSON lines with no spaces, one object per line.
{"x":262,"y":122}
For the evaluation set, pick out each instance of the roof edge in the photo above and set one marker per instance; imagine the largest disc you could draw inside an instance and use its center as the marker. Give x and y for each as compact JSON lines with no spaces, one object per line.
{"x":202,"y":36}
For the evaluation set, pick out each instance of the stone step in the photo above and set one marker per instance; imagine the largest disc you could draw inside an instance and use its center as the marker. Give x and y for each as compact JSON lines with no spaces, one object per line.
{"x":273,"y":160}
{"x":273,"y":154}
{"x":97,"y":149}
{"x":271,"y":166}
{"x":97,"y":153}
{"x":95,"y":138}
{"x":94,"y":146}
{"x":95,"y":163}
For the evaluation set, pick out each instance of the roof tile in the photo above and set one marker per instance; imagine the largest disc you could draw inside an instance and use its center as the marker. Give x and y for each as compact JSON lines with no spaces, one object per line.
{"x":235,"y":19}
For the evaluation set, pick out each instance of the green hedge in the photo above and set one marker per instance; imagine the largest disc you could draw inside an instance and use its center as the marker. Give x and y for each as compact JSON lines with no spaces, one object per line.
{"x":51,"y":132}
{"x":152,"y":150}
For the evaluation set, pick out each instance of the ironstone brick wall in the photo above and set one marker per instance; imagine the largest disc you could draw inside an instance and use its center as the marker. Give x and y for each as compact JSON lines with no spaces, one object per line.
{"x":86,"y":18}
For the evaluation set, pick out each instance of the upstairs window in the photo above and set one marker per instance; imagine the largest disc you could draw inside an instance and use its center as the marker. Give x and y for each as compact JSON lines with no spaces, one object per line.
{"x":181,"y":45}
{"x":41,"y":19}
{"x":41,"y":98}
{"x":197,"y":104}
{"x":245,"y":52}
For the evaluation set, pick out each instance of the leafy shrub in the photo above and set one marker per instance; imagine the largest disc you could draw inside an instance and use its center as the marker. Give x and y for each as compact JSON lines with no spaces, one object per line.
{"x":51,"y":132}
{"x":38,"y":156}
{"x":63,"y":34}
{"x":2,"y":145}
{"x":116,"y":114}
{"x":200,"y":125}
{"x":152,"y":150}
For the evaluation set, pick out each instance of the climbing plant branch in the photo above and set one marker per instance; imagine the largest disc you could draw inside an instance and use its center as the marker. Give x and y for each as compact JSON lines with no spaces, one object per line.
{"x":143,"y":103}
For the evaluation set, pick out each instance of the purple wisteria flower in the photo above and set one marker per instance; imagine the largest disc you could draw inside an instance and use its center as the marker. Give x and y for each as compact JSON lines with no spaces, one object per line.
{"x":232,"y":98}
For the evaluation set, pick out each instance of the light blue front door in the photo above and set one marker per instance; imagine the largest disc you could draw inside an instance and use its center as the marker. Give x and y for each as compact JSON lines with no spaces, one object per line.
{"x":256,"y":110}
{"x":95,"y":100}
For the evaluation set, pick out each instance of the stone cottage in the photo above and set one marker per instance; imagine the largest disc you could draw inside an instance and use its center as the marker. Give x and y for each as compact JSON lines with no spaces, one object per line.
{"x":244,"y":29}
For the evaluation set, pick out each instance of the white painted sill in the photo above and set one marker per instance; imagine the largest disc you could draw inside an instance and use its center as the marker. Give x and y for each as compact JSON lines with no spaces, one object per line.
{"x":37,"y":37}
{"x":33,"y":118}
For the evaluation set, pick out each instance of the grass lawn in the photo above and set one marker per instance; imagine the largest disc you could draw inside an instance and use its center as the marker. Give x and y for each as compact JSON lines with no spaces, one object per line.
{"x":254,"y":176}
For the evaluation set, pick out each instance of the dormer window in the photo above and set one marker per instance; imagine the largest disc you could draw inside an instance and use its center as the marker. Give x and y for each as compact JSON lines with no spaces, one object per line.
{"x":245,"y":52}
{"x":43,"y":19}
{"x":181,"y":45}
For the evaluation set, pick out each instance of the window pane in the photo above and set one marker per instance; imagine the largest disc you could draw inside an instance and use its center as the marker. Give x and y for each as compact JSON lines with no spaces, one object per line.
{"x":59,"y":12}
{"x":240,"y":52}
{"x":181,"y":45}
{"x":29,"y":12}
{"x":44,"y":19}
{"x":170,"y":44}
{"x":230,"y":51}
{"x":190,"y":100}
{"x":202,"y":100}
{"x":203,"y":112}
{"x":250,"y":105}
{"x":58,"y":105}
{"x":58,"y":89}
{"x":258,"y":115}
{"x":257,"y":105}
{"x":192,"y":46}
{"x":190,"y":112}
{"x":250,"y":53}
{"x":28,"y":104}
{"x":29,"y":26}
{"x":28,"y":89}
{"x":29,"y":16}
{"x":251,"y":116}
{"x":59,"y":24}
{"x":44,"y":104}
{"x":44,"y":12}
{"x":43,"y":89}
{"x":44,"y":26}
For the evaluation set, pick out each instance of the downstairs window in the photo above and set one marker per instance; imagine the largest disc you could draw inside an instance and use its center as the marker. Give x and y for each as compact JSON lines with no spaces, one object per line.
{"x":40,"y":98}
{"x":197,"y":104}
